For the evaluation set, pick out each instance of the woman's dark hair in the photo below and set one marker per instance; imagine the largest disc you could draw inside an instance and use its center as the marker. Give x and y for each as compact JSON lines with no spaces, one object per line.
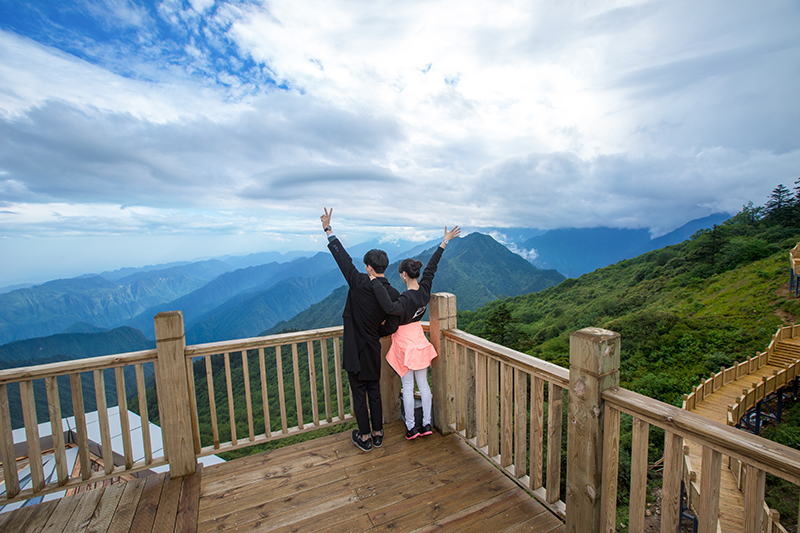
{"x":410,"y":267}
{"x":377,"y":259}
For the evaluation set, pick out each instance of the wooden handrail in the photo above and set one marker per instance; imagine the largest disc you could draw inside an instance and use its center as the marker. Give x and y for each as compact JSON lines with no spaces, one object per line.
{"x":537,"y":367}
{"x":63,"y":368}
{"x":764,"y":454}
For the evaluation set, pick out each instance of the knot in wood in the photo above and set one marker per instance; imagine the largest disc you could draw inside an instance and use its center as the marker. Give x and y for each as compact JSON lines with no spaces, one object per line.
{"x":591,"y":492}
{"x":580,"y":388}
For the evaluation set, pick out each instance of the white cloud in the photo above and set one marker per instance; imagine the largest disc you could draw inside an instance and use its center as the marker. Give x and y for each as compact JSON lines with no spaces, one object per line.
{"x":404,"y":115}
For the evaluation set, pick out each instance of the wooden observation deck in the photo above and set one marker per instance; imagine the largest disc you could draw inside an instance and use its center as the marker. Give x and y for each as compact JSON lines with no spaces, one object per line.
{"x":494,"y":464}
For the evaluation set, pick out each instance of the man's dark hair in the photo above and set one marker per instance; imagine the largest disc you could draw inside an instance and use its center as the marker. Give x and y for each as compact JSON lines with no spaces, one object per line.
{"x":377,"y":259}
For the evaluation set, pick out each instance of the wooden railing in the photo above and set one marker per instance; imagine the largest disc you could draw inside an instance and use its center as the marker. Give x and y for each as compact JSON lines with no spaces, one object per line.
{"x":507,"y":404}
{"x":487,"y":393}
{"x":24,"y":378}
{"x":277,"y":356}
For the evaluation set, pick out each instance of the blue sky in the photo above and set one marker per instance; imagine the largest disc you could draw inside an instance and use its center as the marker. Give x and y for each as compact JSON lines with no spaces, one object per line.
{"x":136,"y":132}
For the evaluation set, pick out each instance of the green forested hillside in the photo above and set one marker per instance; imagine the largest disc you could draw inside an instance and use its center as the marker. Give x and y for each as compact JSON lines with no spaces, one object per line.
{"x":683,"y":311}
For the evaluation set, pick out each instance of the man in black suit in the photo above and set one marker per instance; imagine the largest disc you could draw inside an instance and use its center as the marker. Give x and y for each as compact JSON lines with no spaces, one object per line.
{"x":365,"y":323}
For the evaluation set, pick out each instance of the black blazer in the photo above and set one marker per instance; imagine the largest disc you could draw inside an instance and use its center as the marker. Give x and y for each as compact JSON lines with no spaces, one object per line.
{"x":362,"y":318}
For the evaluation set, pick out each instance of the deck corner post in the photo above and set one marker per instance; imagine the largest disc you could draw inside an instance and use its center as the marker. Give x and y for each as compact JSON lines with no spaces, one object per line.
{"x":594,"y":356}
{"x":390,"y":385}
{"x":442,"y":310}
{"x":173,"y":390}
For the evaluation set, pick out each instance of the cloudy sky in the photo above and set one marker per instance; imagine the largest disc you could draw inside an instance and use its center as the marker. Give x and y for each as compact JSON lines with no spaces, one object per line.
{"x":135,"y":132}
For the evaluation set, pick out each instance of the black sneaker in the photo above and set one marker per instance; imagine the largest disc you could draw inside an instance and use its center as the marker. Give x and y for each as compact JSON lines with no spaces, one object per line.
{"x":363,"y":445}
{"x":377,"y":440}
{"x":412,"y":433}
{"x":426,"y":430}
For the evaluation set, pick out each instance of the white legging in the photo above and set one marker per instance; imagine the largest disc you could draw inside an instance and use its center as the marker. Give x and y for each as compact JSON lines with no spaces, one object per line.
{"x":421,"y":377}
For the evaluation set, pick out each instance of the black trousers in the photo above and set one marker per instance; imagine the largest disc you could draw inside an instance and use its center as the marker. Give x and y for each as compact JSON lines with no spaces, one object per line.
{"x":364,"y":392}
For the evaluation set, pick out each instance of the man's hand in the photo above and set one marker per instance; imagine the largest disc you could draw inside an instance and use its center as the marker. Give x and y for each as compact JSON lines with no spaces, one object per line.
{"x":326,"y":217}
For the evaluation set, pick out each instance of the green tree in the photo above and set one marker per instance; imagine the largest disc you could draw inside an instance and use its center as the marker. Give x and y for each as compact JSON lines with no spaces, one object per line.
{"x":500,"y":327}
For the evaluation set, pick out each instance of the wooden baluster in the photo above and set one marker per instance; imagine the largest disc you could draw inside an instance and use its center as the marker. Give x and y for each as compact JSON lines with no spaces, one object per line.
{"x":493,"y":388}
{"x":231,"y":412}
{"x":312,"y":380}
{"x":247,"y":397}
{"x":471,"y":428}
{"x":124,"y":421}
{"x":537,"y":432}
{"x":212,"y":401}
{"x":520,"y":423}
{"x":297,"y":395}
{"x":32,"y":434}
{"x":638,"y":504}
{"x":159,"y":404}
{"x":610,"y":476}
{"x":337,"y":365}
{"x":594,"y":356}
{"x":79,"y":413}
{"x":57,"y":429}
{"x":192,"y":406}
{"x":461,"y":391}
{"x":326,"y":379}
{"x":453,"y":374}
{"x":481,"y":401}
{"x":709,"y":490}
{"x":281,"y":392}
{"x":264,"y":395}
{"x":506,"y":414}
{"x":555,"y":401}
{"x":7,"y":454}
{"x":671,"y":486}
{"x":754,"y":483}
{"x":102,"y":419}
{"x":144,"y":415}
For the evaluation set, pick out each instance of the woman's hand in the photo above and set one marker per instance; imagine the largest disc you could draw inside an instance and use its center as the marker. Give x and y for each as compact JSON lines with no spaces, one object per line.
{"x":449,"y":235}
{"x":326,"y":217}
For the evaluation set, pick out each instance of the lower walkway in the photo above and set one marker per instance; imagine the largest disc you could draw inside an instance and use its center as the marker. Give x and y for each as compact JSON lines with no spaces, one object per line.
{"x":715,"y":407}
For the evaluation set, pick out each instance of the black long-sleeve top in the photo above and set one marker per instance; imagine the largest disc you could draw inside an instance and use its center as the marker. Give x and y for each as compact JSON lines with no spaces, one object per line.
{"x":411,"y":304}
{"x":362,"y":317}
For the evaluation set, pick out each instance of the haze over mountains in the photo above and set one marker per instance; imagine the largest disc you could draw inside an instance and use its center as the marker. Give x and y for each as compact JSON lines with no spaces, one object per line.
{"x":236,"y":297}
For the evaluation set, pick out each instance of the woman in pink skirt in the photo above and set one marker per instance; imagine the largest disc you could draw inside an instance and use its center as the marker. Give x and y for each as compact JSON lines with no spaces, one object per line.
{"x":411,"y":353}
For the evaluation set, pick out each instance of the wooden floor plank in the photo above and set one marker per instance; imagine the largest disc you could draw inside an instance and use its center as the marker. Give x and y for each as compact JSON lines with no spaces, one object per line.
{"x":62,"y":514}
{"x":84,"y":511}
{"x":39,"y":517}
{"x":168,"y":506}
{"x":19,"y":517}
{"x":128,"y":503}
{"x":106,"y":507}
{"x":188,"y":504}
{"x":148,"y":504}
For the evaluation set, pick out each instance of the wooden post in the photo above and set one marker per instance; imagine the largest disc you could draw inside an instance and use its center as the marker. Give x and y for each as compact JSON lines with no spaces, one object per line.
{"x":173,"y":389}
{"x":390,"y":385}
{"x":442,"y":309}
{"x":594,"y":356}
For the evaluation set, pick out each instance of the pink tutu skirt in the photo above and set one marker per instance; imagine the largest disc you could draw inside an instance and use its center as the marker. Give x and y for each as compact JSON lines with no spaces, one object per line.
{"x":410,"y":349}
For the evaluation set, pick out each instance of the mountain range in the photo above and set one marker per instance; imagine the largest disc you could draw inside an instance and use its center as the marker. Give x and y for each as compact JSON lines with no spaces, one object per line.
{"x":574,"y":252}
{"x":476,"y":268}
{"x":232,"y":297}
